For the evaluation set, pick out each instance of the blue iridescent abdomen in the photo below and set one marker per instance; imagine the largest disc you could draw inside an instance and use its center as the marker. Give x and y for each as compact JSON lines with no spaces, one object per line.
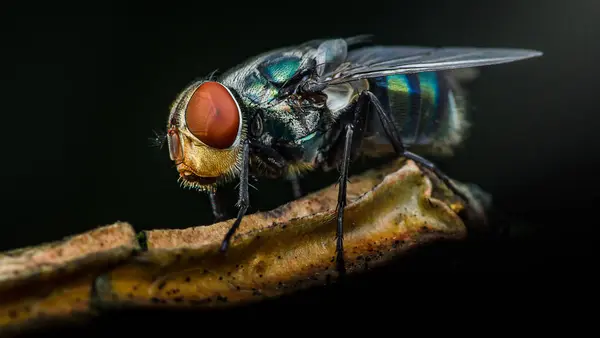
{"x":422,"y":104}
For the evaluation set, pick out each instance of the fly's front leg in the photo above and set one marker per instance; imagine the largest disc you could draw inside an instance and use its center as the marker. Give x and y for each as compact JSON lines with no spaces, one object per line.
{"x":296,"y":189}
{"x":216,"y":207}
{"x":394,"y":136}
{"x":276,"y":161}
{"x":243,"y":200}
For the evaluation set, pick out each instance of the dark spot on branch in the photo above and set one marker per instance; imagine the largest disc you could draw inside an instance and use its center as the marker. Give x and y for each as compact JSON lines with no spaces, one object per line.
{"x":142,"y":240}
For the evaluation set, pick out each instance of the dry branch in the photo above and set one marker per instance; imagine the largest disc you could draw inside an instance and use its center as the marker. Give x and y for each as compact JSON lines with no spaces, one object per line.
{"x":390,"y":210}
{"x":52,"y":281}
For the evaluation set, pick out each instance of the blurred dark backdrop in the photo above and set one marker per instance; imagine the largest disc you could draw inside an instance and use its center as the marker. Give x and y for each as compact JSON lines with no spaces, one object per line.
{"x":84,"y":86}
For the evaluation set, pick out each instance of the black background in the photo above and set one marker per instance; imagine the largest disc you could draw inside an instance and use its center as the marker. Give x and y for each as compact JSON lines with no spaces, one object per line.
{"x":84,"y":86}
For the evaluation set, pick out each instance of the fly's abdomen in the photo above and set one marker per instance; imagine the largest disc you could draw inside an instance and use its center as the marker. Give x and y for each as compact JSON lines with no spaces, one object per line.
{"x":425,"y":107}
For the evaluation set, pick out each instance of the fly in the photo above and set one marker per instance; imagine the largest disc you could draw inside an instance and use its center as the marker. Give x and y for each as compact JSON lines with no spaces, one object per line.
{"x":320,"y":105}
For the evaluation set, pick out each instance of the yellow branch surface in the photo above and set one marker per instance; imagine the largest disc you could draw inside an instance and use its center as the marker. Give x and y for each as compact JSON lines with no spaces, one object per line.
{"x":53,"y":281}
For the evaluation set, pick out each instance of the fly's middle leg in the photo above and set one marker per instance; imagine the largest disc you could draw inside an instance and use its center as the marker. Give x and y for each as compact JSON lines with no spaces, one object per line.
{"x":353,"y":133}
{"x":341,"y":204}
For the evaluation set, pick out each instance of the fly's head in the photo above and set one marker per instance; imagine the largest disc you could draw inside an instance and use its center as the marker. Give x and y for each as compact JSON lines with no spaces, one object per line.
{"x":205,"y":131}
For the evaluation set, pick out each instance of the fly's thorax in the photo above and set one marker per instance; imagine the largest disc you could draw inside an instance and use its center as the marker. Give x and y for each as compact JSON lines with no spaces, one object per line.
{"x":266,"y":84}
{"x":290,"y":119}
{"x":205,"y":130}
{"x":260,"y":80}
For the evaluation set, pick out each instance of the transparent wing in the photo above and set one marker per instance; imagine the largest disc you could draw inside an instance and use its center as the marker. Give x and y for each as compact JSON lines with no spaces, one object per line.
{"x":378,"y":61}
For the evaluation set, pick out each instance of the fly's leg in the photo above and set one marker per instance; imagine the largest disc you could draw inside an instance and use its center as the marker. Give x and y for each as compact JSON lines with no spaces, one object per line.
{"x":274,"y":159}
{"x":216,"y":207}
{"x":394,"y":137}
{"x":339,"y":245}
{"x":243,"y":200}
{"x":353,"y":134}
{"x":296,"y":189}
{"x":427,"y":164}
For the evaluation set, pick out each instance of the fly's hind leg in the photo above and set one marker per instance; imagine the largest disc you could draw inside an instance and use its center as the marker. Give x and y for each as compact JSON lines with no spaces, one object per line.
{"x":394,"y":136}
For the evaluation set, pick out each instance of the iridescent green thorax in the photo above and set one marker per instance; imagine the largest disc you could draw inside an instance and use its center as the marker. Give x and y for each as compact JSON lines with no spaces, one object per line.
{"x":258,"y":90}
{"x":283,"y":121}
{"x":263,"y":85}
{"x":290,"y":124}
{"x":280,"y":70}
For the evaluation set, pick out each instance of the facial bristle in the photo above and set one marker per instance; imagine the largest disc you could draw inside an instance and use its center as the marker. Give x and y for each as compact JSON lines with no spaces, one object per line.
{"x":158,"y":140}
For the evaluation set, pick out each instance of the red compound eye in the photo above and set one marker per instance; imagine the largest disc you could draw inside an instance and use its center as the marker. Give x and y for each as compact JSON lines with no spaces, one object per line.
{"x":212,"y":115}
